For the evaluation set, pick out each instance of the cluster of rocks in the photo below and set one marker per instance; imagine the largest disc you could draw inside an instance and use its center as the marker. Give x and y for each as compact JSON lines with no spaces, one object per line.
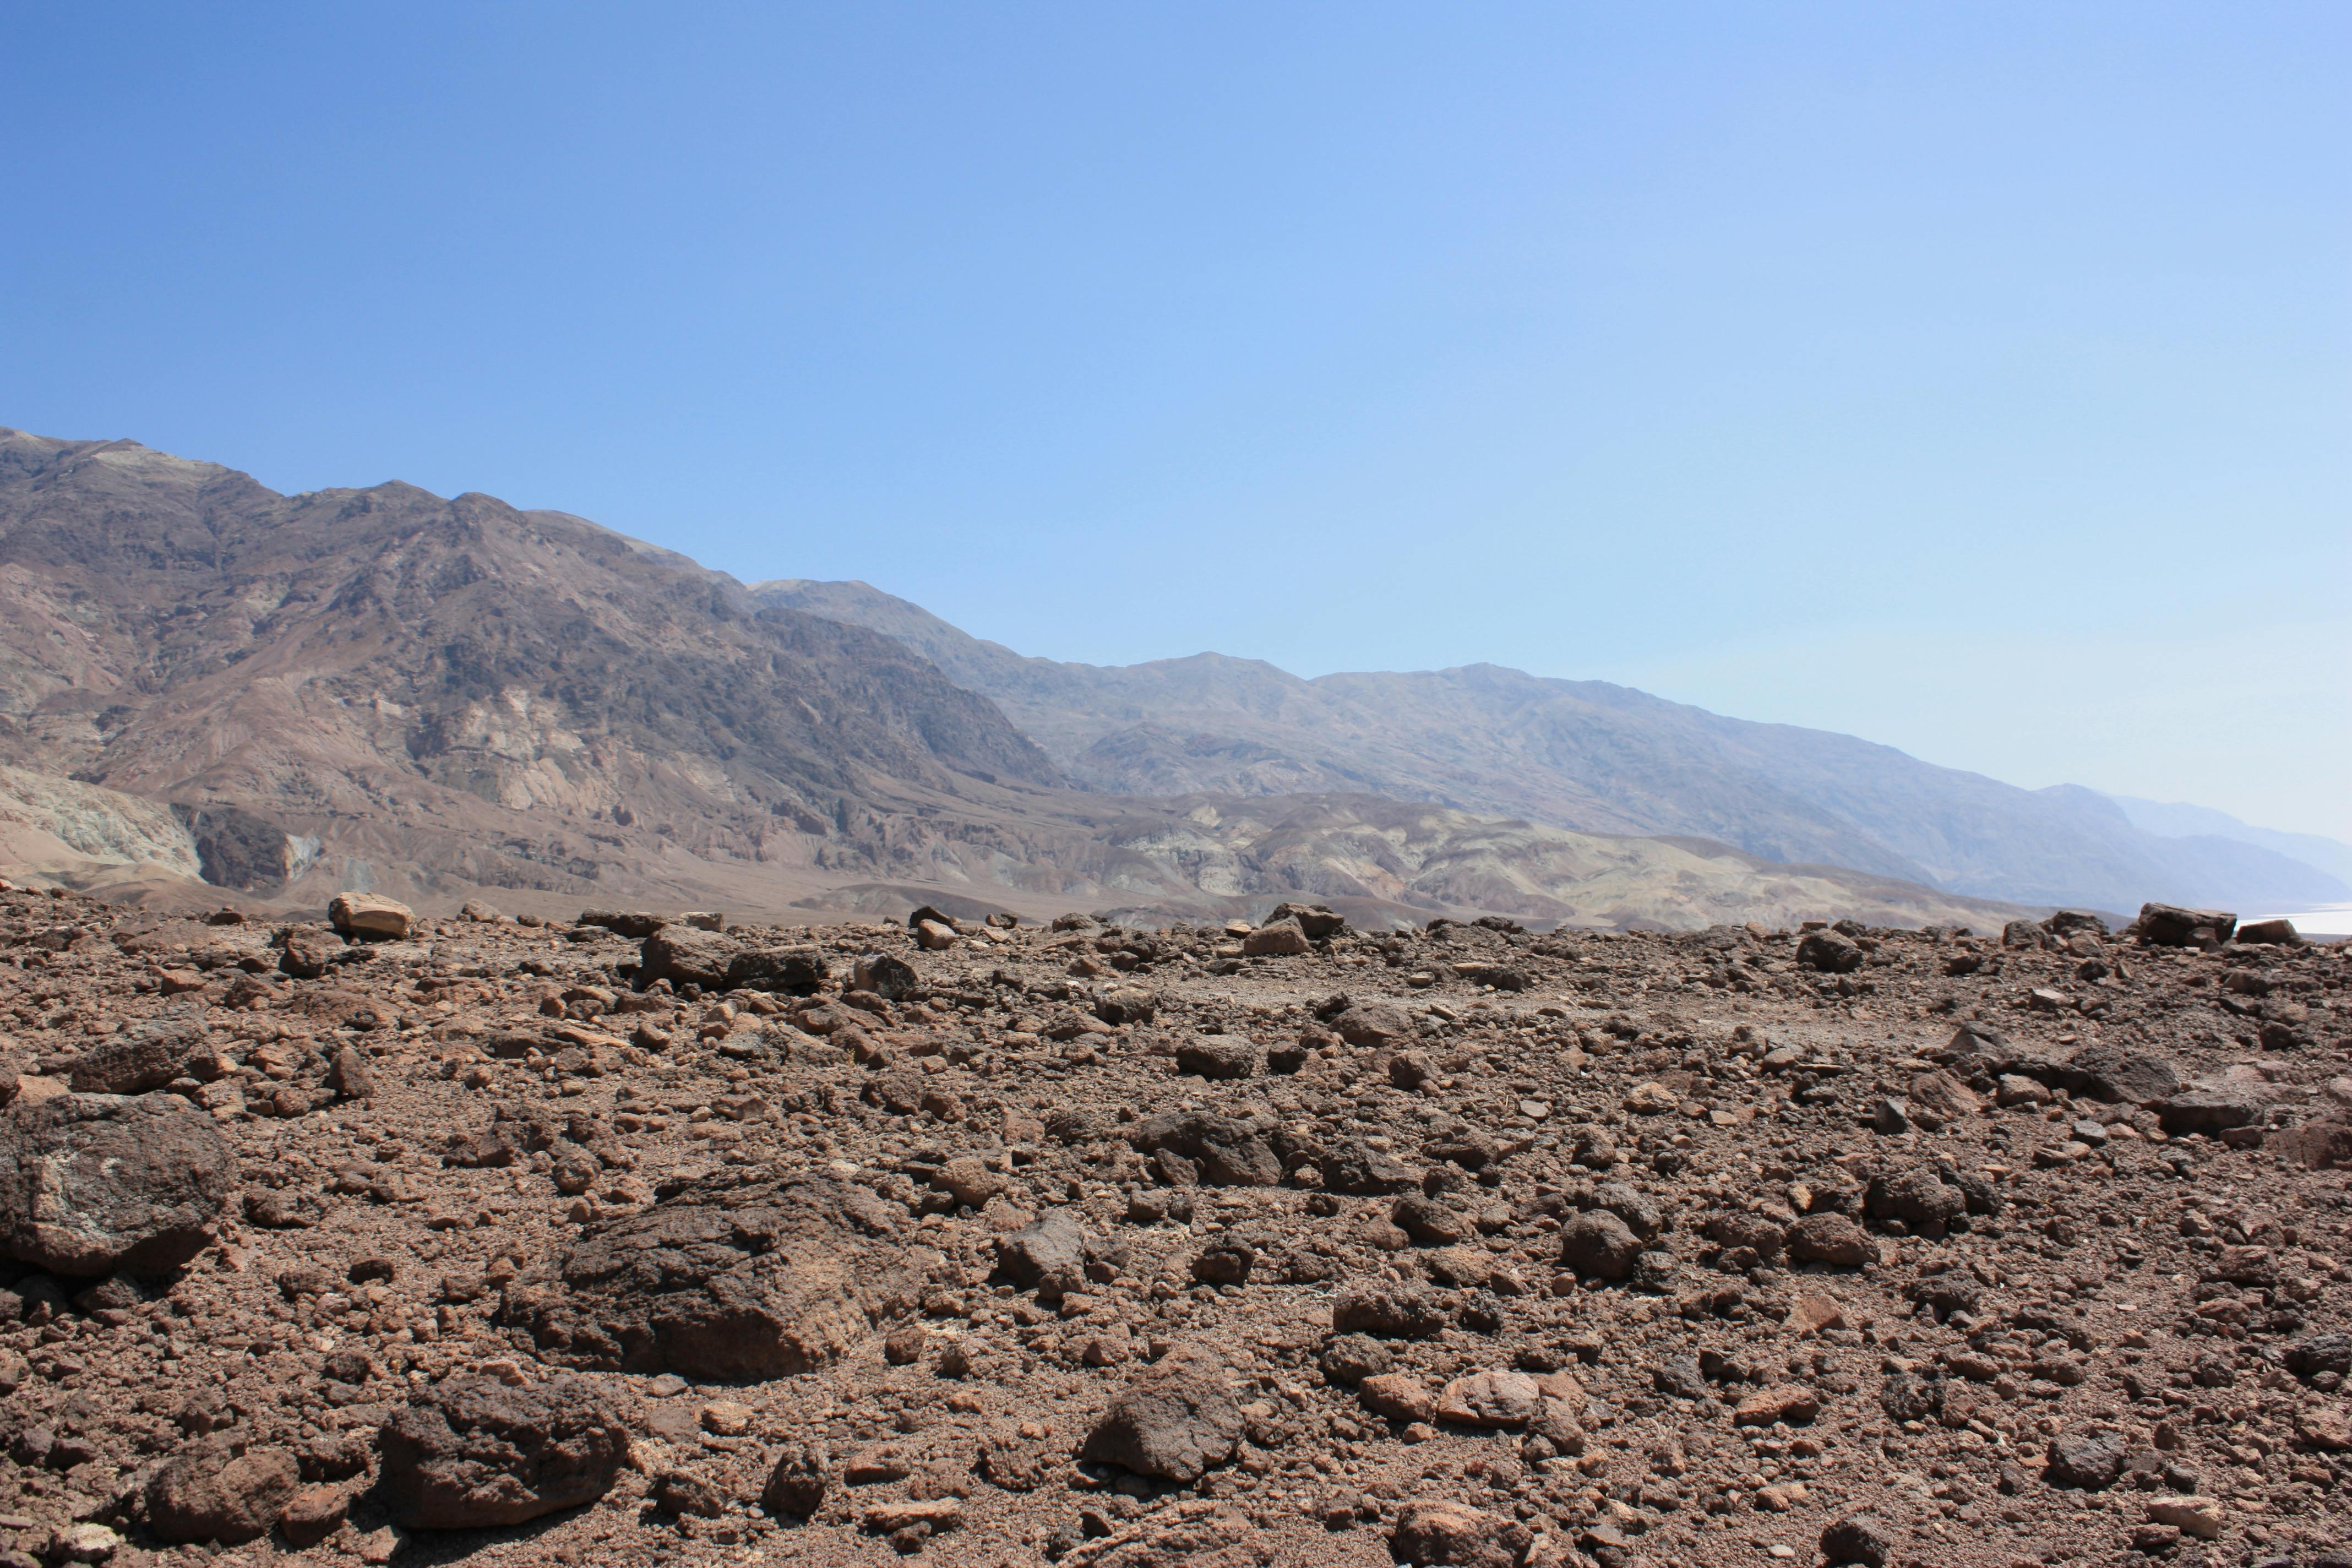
{"x":660,"y":1238}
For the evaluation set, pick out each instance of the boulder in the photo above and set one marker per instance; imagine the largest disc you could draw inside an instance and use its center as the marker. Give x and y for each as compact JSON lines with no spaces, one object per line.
{"x":1494,"y":1399}
{"x":1828,"y":952}
{"x":1175,"y":1423}
{"x":1354,"y":1168}
{"x":1918,"y":1197}
{"x":2108,"y":1072}
{"x":350,"y":1075}
{"x":1437,"y":1533}
{"x":635,"y":924}
{"x":2087,"y":1460}
{"x":1390,"y":1310}
{"x":891,"y":978}
{"x":2274,"y":933}
{"x":1372,"y":1024}
{"x":93,"y":1183}
{"x":474,"y":1454}
{"x":796,"y":970}
{"x":1221,"y":1057}
{"x":2075,"y":923}
{"x":797,"y":1485}
{"x":2168,"y":925}
{"x":1048,"y":1254}
{"x":1858,"y":1538}
{"x":1597,"y":1242}
{"x":1830,"y":1238}
{"x":686,"y":956}
{"x":1318,"y":922}
{"x":2213,"y":1106}
{"x":1397,"y":1396}
{"x":722,"y":1282}
{"x":368,"y":917}
{"x":1222,"y":1151}
{"x":1279,"y":938}
{"x":1126,"y":1004}
{"x":145,"y":1056}
{"x":212,"y":1494}
{"x":1752,"y":1232}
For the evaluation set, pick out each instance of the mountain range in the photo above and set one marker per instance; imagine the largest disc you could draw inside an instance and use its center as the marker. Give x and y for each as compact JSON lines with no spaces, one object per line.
{"x":210,"y":690}
{"x":1588,"y":755}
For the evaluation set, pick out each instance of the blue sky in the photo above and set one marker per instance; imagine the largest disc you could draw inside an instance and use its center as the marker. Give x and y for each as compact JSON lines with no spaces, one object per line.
{"x":1971,"y":378}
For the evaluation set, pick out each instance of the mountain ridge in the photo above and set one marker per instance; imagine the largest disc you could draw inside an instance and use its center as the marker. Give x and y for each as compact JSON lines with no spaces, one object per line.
{"x":1586,"y":755}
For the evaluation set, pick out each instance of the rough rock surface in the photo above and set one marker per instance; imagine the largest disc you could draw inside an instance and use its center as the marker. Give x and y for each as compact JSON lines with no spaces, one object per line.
{"x":728,"y":1282}
{"x":92,"y":1184}
{"x":1175,"y":1423}
{"x":472,"y":1453}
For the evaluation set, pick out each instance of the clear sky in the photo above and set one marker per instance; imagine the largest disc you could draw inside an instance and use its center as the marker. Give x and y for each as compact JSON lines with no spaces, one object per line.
{"x":1974,"y":378}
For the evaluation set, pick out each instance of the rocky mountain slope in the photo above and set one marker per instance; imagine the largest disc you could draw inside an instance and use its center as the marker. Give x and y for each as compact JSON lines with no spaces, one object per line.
{"x":207,"y":686}
{"x":385,"y":685}
{"x":516,"y":1243}
{"x":1586,"y":755}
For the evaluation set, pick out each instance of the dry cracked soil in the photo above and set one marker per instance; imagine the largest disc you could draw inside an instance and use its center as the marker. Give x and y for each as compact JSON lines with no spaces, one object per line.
{"x":653,"y":1239}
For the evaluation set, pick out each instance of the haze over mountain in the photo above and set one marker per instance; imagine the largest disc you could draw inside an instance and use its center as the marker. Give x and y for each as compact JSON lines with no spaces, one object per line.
{"x":205,"y":685}
{"x":1585,"y":755}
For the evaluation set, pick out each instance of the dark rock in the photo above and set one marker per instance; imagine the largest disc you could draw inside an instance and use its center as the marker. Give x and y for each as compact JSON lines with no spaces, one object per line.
{"x":1175,"y":1422}
{"x":2277,"y":933}
{"x":1679,"y":1377}
{"x":1917,"y":1395}
{"x":1048,"y":1254}
{"x":1354,"y":1168}
{"x":1858,"y":1538}
{"x":1390,"y":1310}
{"x":722,"y":1282}
{"x":2168,"y":925}
{"x":474,"y":1454}
{"x":2087,"y":1460}
{"x":1318,"y":922}
{"x":1225,"y":1262}
{"x":1128,"y":1005}
{"x":212,"y":1494}
{"x":1351,"y":1358}
{"x":1754,"y":1232}
{"x":1429,"y":1222}
{"x":1599,"y":1242}
{"x":1918,"y":1197}
{"x":350,"y":1075}
{"x":1831,"y":1238}
{"x":145,"y":1056}
{"x":1220,"y":1057}
{"x":1829,"y":952}
{"x":1640,"y":1211}
{"x":1372,"y":1024}
{"x":2075,"y":923}
{"x":795,"y":969}
{"x":2320,"y":1354}
{"x":797,"y":1485}
{"x":1225,"y":1151}
{"x":90,"y":1183}
{"x":890,"y":977}
{"x":2110,"y":1073}
{"x":634,"y":925}
{"x":2213,"y":1107}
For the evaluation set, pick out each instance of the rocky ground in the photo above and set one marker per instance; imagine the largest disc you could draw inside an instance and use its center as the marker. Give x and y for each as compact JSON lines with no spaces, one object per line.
{"x":641,"y":1241}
